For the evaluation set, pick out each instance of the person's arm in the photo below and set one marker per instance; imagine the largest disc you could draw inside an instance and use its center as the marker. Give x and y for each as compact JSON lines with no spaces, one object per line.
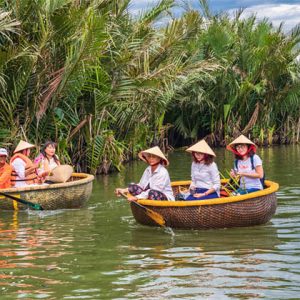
{"x":145,"y":179}
{"x":46,"y":165}
{"x":259,"y":173}
{"x":120,"y":191}
{"x":144,"y":182}
{"x":30,"y":170}
{"x":216,"y":180}
{"x":192,"y":185}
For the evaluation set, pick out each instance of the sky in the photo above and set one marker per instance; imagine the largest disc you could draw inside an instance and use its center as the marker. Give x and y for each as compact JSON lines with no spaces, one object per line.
{"x":276,"y":11}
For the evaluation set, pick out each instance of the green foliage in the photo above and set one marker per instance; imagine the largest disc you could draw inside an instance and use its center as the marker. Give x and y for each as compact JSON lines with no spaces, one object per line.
{"x":105,"y":84}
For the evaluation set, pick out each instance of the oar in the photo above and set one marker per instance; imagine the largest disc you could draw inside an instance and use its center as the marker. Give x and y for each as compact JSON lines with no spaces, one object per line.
{"x":158,"y":218}
{"x":30,"y":204}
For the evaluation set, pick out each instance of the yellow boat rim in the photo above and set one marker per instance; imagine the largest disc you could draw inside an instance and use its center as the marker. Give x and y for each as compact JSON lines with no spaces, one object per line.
{"x":271,"y":187}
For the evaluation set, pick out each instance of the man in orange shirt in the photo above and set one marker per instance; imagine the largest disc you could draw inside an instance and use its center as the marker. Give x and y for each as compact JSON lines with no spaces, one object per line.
{"x":5,"y":170}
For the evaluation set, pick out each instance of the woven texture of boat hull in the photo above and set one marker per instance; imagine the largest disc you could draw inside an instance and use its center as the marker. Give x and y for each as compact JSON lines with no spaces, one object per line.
{"x":249,"y":212}
{"x":73,"y":194}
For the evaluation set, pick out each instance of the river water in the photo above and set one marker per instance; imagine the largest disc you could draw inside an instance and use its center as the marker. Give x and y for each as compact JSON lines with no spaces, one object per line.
{"x":100,"y":252}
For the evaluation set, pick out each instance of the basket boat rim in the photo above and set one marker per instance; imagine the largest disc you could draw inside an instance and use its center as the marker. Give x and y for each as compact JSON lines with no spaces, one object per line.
{"x":82,"y":178}
{"x":271,"y":187}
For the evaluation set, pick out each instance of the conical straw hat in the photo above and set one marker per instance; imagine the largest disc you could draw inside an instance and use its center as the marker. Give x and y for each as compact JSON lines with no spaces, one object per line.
{"x":155,"y":151}
{"x":22,"y":146}
{"x":61,"y":173}
{"x":240,"y":140}
{"x":201,"y":147}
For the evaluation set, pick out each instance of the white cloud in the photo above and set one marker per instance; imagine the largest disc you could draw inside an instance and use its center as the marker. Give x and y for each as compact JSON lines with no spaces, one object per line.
{"x":138,"y":6}
{"x":289,"y":14}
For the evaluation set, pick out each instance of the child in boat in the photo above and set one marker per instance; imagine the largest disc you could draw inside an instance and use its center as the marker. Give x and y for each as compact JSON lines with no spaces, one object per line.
{"x":248,"y":165}
{"x":23,"y":169}
{"x":47,"y":160}
{"x":155,"y":183}
{"x":204,"y":172}
{"x":5,"y":170}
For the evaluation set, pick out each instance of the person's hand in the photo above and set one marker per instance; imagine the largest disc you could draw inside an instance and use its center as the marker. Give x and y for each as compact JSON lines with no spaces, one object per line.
{"x":232,"y":173}
{"x":44,"y":174}
{"x":119,"y":192}
{"x":241,"y":174}
{"x":40,"y":180}
{"x":131,"y":198}
{"x":199,"y":195}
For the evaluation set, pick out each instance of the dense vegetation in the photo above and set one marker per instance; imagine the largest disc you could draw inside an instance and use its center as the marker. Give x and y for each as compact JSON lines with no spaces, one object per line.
{"x":105,"y":84}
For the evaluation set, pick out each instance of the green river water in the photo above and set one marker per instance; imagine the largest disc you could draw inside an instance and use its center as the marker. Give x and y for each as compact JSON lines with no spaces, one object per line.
{"x":100,"y":252}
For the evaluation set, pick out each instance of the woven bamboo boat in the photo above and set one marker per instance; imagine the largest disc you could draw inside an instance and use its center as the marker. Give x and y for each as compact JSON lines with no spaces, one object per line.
{"x":234,"y":211}
{"x":71,"y":194}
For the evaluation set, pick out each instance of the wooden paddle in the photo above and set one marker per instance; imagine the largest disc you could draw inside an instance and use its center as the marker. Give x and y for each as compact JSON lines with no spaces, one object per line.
{"x":158,"y":218}
{"x":35,"y":206}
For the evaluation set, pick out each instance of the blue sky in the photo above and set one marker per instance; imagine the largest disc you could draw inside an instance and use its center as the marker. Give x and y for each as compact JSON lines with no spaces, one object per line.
{"x":276,"y":11}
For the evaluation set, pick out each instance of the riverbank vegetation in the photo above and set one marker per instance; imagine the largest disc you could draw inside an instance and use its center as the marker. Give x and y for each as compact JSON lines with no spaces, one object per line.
{"x":105,"y":84}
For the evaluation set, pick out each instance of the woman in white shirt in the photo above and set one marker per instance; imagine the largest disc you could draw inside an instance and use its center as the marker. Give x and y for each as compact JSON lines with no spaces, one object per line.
{"x":47,"y":160}
{"x":155,"y":183}
{"x":204,"y":172}
{"x":247,"y":166}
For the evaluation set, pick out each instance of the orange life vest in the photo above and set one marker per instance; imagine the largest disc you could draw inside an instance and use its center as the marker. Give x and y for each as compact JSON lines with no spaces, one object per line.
{"x":5,"y":173}
{"x":30,"y":177}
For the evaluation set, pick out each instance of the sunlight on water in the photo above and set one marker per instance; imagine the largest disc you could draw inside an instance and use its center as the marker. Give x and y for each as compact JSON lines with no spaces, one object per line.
{"x":100,"y":252}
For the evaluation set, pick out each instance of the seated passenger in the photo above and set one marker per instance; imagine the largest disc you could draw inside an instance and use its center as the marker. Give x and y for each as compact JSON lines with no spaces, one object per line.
{"x":205,"y":175}
{"x":247,"y":166}
{"x":47,"y":160}
{"x":23,"y":169}
{"x":155,"y":183}
{"x":5,"y":170}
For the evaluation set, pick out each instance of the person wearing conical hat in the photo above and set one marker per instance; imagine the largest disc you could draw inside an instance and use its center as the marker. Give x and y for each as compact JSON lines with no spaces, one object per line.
{"x":155,"y":183}
{"x":24,"y":171}
{"x":248,"y":167}
{"x":204,"y":172}
{"x":5,"y":170}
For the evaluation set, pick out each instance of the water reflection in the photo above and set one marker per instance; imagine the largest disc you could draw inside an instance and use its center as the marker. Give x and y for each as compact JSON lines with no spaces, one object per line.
{"x":32,"y":255}
{"x":249,"y":238}
{"x":193,"y":264}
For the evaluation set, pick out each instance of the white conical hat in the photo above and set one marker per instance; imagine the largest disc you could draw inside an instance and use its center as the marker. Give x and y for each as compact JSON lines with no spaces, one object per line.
{"x":155,"y":151}
{"x":61,"y":173}
{"x":240,"y":140}
{"x":22,"y":146}
{"x":201,"y":147}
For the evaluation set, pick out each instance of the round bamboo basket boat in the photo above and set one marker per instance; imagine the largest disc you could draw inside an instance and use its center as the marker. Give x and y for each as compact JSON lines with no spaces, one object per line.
{"x":72,"y":194}
{"x":233,"y":211}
